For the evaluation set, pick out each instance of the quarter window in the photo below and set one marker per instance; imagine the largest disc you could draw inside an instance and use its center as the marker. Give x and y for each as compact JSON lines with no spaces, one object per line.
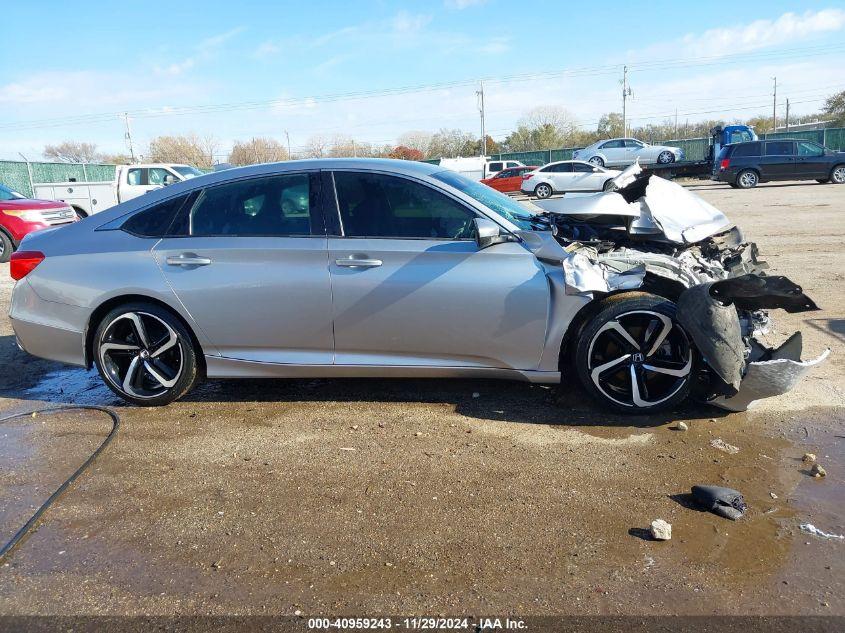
{"x":582,"y":168}
{"x":377,"y":205}
{"x":272,"y":206}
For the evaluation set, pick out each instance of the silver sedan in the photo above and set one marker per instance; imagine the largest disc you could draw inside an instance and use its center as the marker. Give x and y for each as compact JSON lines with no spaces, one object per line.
{"x":621,"y":152}
{"x":347,"y":267}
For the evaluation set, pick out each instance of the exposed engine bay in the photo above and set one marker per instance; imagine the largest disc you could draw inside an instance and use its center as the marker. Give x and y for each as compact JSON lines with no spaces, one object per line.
{"x":655,"y":235}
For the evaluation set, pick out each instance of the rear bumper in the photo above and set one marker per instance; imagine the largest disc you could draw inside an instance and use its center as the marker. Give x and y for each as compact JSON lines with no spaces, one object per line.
{"x":47,"y":329}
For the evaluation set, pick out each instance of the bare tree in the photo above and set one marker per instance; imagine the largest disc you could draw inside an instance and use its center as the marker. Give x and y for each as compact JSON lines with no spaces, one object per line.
{"x":555,"y":117}
{"x":191,"y":149}
{"x":257,"y":150}
{"x":72,"y":152}
{"x":416,"y":139}
{"x":451,"y":143}
{"x":317,"y":146}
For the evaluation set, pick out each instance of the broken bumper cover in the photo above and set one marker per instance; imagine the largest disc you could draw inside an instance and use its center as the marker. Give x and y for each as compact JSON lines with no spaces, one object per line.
{"x":746,"y":372}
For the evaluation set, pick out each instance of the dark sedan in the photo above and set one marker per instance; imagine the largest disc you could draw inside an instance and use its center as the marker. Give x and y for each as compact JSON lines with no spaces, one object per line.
{"x":743,"y":165}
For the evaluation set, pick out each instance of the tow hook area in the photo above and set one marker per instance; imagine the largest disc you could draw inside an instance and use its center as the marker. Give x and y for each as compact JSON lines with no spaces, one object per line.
{"x":748,"y":370}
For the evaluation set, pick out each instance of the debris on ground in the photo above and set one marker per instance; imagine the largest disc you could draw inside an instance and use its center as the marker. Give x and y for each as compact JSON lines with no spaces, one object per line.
{"x":725,"y":502}
{"x":809,"y":528}
{"x":773,"y":495}
{"x":722,"y":445}
{"x":661,"y":530}
{"x":682,"y":426}
{"x":809,"y":458}
{"x":817,"y":471}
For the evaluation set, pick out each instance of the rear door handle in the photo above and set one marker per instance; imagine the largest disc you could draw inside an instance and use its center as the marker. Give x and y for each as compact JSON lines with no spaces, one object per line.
{"x":188,"y":259}
{"x":352,"y":262}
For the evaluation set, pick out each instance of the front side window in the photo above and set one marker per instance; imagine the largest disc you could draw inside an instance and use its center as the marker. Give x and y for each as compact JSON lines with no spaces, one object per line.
{"x":630,"y":142}
{"x":157,"y":175}
{"x":611,"y":145}
{"x":507,"y":173}
{"x":271,"y":206}
{"x":377,"y":205}
{"x":806,"y":148}
{"x":135,"y":176}
{"x":779,"y":148}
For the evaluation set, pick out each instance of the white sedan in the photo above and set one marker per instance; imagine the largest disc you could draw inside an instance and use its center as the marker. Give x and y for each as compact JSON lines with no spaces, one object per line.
{"x":621,"y":152}
{"x":567,"y":175}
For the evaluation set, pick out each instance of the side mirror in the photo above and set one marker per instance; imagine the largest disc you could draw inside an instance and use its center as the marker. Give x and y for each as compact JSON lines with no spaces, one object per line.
{"x":169,"y":179}
{"x":488,"y":233}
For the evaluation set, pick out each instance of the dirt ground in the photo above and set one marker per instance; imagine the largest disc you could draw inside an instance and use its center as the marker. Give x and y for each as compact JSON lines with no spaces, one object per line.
{"x":433,"y":496}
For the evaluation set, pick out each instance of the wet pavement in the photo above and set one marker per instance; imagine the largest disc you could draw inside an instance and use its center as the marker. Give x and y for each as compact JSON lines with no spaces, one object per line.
{"x":373,"y":496}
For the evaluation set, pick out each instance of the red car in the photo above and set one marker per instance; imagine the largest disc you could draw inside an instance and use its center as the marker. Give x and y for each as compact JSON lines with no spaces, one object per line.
{"x":20,"y":215}
{"x":508,"y":180}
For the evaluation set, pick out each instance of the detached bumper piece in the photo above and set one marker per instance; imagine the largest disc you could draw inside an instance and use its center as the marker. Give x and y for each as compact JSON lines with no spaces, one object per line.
{"x":709,"y":313}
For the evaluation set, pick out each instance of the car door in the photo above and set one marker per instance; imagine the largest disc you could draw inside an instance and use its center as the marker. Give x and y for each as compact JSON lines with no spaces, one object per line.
{"x":502,"y":180}
{"x":248,"y":262}
{"x":778,"y":160}
{"x":810,"y":161}
{"x":635,"y":149}
{"x":135,"y":183}
{"x":561,"y":176}
{"x":614,"y":152}
{"x":411,"y":288}
{"x":586,"y":177}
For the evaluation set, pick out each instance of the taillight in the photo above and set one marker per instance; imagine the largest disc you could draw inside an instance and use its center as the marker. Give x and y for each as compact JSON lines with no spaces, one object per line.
{"x":24,"y":262}
{"x":527,"y":176}
{"x":725,"y":163}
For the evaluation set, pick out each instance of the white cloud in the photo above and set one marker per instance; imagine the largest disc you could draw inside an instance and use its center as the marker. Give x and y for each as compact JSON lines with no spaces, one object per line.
{"x":214,"y":42}
{"x":463,"y":4}
{"x":788,"y":28}
{"x":495,"y":46}
{"x":176,"y":68}
{"x":405,"y":23}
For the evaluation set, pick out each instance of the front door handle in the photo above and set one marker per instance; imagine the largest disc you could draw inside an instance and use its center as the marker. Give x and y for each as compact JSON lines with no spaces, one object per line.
{"x":353,"y":262}
{"x":188,"y":259}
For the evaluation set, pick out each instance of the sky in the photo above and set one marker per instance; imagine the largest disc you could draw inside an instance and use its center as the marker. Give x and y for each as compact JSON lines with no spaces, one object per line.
{"x":373,"y":70}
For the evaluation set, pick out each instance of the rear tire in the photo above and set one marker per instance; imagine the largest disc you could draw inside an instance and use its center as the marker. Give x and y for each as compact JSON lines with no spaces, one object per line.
{"x":543,"y":191}
{"x":633,"y":356}
{"x":80,"y":214}
{"x":747,"y":179}
{"x":6,"y":248}
{"x":145,"y":354}
{"x":598,"y":161}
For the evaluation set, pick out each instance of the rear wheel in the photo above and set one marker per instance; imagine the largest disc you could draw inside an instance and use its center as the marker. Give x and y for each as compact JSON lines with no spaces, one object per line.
{"x":6,"y":248}
{"x":837,"y":176}
{"x":747,"y":179}
{"x":543,"y":191}
{"x":633,"y":356}
{"x":145,"y":355}
{"x":80,"y":214}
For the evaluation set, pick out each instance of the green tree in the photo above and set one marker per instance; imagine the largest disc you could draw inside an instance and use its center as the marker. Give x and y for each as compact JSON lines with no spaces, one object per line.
{"x":610,"y":125}
{"x":834,"y":108}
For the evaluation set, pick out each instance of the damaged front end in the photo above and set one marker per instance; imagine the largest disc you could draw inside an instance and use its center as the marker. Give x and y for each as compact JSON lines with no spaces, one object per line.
{"x":655,"y":235}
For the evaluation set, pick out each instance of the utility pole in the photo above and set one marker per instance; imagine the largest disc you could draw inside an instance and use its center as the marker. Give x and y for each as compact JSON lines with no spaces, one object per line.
{"x":676,"y":122}
{"x":128,"y":136}
{"x":354,"y":155}
{"x":626,"y":92}
{"x":480,"y":95}
{"x":775,"y":105}
{"x":787,"y":114}
{"x":287,"y":136}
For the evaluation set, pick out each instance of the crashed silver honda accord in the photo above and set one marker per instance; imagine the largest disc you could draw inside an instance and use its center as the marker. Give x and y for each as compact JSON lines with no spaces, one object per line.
{"x":379,"y":268}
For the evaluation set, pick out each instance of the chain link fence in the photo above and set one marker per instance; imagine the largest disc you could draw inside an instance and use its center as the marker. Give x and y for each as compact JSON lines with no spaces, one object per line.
{"x":20,"y":176}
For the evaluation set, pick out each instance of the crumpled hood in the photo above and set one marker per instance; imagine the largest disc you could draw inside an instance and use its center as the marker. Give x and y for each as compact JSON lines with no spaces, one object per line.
{"x":682,"y":216}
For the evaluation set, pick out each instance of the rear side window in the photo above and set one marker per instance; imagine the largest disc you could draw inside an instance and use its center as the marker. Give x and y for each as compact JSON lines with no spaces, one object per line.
{"x":780,"y":148}
{"x":495,"y":167}
{"x":272,"y":206}
{"x":806,"y":148}
{"x":155,"y":221}
{"x":612,"y":144}
{"x":583,"y":168}
{"x":378,"y":205}
{"x":746,"y":149}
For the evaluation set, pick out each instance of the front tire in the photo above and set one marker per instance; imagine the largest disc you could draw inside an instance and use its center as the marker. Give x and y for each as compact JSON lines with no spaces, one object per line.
{"x":608,"y":185}
{"x":145,"y":354}
{"x":6,"y":248}
{"x":543,"y":191}
{"x":747,"y":179}
{"x":633,"y":356}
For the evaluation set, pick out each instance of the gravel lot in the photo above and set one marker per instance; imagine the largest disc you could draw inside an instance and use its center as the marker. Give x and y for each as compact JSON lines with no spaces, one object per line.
{"x":428,"y":497}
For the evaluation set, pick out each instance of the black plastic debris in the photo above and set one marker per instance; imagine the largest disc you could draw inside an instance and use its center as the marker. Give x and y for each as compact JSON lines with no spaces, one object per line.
{"x":725,"y":502}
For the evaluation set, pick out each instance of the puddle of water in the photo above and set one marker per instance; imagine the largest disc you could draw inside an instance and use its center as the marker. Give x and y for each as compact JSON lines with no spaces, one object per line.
{"x":72,"y":385}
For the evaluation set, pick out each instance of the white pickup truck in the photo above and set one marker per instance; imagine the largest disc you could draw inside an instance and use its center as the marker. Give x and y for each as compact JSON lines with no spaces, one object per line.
{"x":130,"y":182}
{"x":478,"y":167}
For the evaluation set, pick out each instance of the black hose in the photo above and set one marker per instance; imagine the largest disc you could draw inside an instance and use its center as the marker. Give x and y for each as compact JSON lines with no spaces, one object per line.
{"x":8,"y":547}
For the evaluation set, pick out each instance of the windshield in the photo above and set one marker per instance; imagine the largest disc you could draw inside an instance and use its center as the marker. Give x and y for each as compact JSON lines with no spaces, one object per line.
{"x":8,"y":194}
{"x":514,"y":212}
{"x":187,"y":172}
